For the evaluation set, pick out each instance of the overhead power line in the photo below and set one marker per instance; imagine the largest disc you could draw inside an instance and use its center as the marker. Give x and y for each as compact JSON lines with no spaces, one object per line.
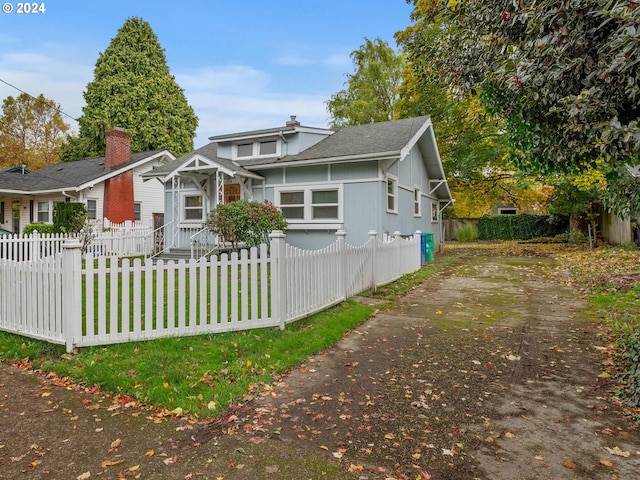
{"x":53,"y":106}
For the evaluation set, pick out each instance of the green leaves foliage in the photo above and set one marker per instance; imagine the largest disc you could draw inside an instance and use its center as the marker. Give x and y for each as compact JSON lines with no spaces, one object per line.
{"x":562,"y":75}
{"x":31,"y":131}
{"x":134,"y":89}
{"x":523,"y":226}
{"x":246,"y":222}
{"x":371,"y":91}
{"x":69,"y":217}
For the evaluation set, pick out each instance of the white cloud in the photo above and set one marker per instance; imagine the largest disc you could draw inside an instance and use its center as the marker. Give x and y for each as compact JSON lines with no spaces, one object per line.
{"x":223,"y":78}
{"x":227,"y":113}
{"x":226,"y":98}
{"x":56,"y":71}
{"x":339,"y":60}
{"x":232,"y":98}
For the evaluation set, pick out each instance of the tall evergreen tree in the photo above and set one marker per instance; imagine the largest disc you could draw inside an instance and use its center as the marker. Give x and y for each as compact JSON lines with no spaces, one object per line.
{"x":133,"y":89}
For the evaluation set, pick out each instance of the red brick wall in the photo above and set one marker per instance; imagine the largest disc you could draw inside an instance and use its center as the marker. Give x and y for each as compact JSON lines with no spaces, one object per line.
{"x":118,"y":191}
{"x":119,"y":198}
{"x":118,"y":147}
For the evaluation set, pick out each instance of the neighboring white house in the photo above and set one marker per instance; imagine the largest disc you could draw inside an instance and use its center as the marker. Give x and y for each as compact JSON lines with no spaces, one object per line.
{"x":110,"y":187}
{"x":384,"y":176}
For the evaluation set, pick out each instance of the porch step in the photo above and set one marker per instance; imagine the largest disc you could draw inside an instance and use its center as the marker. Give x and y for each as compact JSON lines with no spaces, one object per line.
{"x":177,"y":253}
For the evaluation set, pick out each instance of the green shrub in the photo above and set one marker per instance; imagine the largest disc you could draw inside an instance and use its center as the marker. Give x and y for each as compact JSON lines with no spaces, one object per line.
{"x":69,"y":217}
{"x":42,"y":228}
{"x":466,"y":233}
{"x":628,"y":343}
{"x":246,"y":222}
{"x":573,"y":238}
{"x":523,"y":226}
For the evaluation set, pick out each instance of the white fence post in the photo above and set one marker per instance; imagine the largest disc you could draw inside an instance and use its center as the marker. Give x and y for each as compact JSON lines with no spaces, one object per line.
{"x":35,"y":246}
{"x":373,"y":239}
{"x":397,"y":239}
{"x":278,"y":277}
{"x":342,"y":285}
{"x":72,"y":292}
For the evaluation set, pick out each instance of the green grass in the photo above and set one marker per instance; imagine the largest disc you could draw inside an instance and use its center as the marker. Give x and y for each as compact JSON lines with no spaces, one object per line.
{"x":202,"y":375}
{"x":466,"y":233}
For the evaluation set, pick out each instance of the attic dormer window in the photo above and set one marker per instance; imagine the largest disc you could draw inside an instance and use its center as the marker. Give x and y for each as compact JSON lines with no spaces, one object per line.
{"x":257,"y":148}
{"x":269,"y":147}
{"x":245,"y":150}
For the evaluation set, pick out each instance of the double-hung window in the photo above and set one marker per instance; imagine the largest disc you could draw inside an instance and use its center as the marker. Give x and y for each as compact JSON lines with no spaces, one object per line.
{"x":434,"y":211}
{"x":311,"y":204}
{"x":417,"y":202}
{"x":324,"y":204}
{"x":43,"y":212}
{"x":292,"y":204}
{"x":392,"y":194}
{"x":192,"y":210}
{"x":92,"y":209}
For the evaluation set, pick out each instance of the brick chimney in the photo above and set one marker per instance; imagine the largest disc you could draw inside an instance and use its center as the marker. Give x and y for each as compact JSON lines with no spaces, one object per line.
{"x":118,"y":147}
{"x":118,"y":190}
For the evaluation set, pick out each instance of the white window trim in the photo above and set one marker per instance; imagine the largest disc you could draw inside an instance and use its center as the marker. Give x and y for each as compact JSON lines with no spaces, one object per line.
{"x":134,"y":209}
{"x":394,"y":194}
{"x":256,"y":148}
{"x":417,"y":202}
{"x":183,"y":208}
{"x":308,"y":221}
{"x":48,"y":211}
{"x":87,"y":207}
{"x":434,"y":212}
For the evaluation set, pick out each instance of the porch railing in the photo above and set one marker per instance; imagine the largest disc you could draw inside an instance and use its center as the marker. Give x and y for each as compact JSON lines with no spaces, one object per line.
{"x":203,"y":243}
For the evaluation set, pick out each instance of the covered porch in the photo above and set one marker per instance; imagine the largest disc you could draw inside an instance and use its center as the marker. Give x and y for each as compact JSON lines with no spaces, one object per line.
{"x":194,"y":186}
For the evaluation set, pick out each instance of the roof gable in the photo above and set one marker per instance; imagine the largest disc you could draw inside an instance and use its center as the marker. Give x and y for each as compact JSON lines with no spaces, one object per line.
{"x":203,"y":159}
{"x":381,"y":138}
{"x":72,"y":176}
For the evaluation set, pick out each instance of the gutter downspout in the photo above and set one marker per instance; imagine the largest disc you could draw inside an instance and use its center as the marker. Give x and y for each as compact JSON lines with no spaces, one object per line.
{"x":440,"y":224}
{"x":66,"y":195}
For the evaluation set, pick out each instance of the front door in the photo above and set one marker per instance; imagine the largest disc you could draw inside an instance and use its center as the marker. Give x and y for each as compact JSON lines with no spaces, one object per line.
{"x":231,"y":192}
{"x":15,"y":215}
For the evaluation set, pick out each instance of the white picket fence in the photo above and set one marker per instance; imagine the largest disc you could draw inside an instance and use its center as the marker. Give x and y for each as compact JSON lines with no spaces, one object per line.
{"x":111,"y":300}
{"x":31,"y":247}
{"x":124,"y":240}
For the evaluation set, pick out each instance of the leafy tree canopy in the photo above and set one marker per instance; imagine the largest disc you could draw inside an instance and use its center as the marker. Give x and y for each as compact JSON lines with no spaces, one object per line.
{"x":31,"y":132}
{"x":473,"y":144}
{"x":563,"y":76}
{"x":371,"y":91}
{"x":134,"y":89}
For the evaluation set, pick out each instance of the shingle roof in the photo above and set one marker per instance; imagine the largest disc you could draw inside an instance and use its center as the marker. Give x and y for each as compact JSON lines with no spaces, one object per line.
{"x":380,"y":137}
{"x":66,"y":175}
{"x":209,"y":151}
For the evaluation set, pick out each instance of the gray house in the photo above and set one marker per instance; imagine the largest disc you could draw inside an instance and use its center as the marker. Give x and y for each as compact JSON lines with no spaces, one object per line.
{"x":383,"y":176}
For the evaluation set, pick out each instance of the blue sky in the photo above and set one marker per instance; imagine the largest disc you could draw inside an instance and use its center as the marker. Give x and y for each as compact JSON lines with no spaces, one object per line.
{"x":243,"y":64}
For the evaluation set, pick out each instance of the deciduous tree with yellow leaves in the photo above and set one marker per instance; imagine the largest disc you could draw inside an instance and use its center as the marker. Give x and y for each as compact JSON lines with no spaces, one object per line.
{"x":31,"y":132}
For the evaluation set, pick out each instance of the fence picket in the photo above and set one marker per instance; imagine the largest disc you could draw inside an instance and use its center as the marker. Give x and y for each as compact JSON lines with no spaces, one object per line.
{"x":139,"y":300}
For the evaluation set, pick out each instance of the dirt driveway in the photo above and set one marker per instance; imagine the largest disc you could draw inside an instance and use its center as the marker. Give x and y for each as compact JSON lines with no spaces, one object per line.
{"x":489,"y":370}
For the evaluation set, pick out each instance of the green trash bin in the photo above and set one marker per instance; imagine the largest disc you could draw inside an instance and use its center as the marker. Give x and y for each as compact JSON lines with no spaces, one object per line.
{"x":427,"y":246}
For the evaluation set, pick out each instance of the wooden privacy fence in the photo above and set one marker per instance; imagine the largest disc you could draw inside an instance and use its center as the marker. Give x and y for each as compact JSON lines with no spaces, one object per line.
{"x":103,"y":300}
